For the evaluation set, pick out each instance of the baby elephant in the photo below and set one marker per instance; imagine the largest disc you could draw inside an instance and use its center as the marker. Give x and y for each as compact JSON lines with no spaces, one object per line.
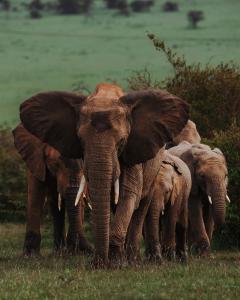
{"x":168,"y":210}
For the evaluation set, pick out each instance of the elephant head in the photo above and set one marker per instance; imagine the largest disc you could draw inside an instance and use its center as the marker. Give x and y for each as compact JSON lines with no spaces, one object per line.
{"x":210,"y":177}
{"x":105,"y":128}
{"x":189,"y":134}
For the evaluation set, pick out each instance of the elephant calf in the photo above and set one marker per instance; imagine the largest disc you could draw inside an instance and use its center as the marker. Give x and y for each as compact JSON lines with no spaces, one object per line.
{"x":207,"y":201}
{"x":169,"y":204}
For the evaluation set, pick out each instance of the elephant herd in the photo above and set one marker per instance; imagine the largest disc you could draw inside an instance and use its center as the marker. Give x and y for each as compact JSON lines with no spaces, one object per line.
{"x":135,"y":160}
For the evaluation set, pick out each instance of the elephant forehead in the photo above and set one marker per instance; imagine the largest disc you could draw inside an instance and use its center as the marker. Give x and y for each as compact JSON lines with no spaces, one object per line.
{"x":103,"y":107}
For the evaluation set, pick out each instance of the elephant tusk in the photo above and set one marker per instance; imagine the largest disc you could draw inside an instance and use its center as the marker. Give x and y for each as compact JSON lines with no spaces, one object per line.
{"x":80,"y":191}
{"x":228,"y":199}
{"x":87,"y":203}
{"x":116,"y":191}
{"x":210,"y":199}
{"x":59,"y":201}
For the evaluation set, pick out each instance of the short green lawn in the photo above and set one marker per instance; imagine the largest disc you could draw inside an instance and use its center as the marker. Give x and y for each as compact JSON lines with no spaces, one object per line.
{"x":61,"y":52}
{"x":51,"y":277}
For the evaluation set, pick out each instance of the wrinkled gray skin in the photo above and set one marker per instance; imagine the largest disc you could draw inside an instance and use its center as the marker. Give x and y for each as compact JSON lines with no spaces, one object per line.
{"x":209,"y":178}
{"x":169,"y":206}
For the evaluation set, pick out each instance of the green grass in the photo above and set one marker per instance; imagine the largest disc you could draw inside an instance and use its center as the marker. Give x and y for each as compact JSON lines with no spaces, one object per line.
{"x":51,"y":277}
{"x":59,"y":52}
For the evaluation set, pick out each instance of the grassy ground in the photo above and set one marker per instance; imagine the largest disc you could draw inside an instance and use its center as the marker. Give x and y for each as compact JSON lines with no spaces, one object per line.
{"x":59,"y":52}
{"x":70,"y":278}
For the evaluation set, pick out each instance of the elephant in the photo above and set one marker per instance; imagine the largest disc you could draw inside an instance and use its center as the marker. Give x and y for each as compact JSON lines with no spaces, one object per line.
{"x":207,"y":200}
{"x":189,"y":134}
{"x":55,"y":178}
{"x":111,"y":131}
{"x":166,"y":222}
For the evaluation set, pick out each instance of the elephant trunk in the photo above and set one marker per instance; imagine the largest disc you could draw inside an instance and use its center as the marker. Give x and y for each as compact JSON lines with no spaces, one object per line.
{"x":99,"y":168}
{"x":218,"y":196}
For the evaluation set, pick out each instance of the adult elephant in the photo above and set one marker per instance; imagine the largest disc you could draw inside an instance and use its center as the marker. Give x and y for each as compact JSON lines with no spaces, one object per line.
{"x":55,"y":178}
{"x":207,"y":201}
{"x":108,"y":129}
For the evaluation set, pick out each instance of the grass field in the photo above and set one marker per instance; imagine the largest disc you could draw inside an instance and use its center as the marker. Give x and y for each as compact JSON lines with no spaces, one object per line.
{"x":59,"y":52}
{"x":50,"y":277}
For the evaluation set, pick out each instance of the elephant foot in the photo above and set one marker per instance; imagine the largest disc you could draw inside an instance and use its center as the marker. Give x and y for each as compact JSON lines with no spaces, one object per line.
{"x":201,"y":248}
{"x":59,"y":246}
{"x":154,"y":255}
{"x":133,"y":255}
{"x":117,"y":257}
{"x":31,"y":247}
{"x":77,"y":244}
{"x":169,"y":253}
{"x":99,"y":263}
{"x":182,"y":256}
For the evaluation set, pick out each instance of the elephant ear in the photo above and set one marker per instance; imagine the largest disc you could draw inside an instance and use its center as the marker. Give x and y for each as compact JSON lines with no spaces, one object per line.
{"x":218,"y":151}
{"x":31,"y":150}
{"x":156,"y":117}
{"x":53,"y":117}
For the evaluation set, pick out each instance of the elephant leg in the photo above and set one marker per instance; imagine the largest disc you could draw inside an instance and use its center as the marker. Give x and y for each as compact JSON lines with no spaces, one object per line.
{"x":58,"y":218}
{"x":76,"y":240}
{"x":169,"y":233}
{"x":135,"y":229}
{"x":199,"y":236}
{"x":119,"y":228}
{"x":35,"y":203}
{"x":151,"y":232}
{"x":131,"y":183}
{"x":181,"y":237}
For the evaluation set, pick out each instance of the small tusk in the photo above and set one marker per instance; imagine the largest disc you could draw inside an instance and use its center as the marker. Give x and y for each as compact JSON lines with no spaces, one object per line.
{"x":116,"y":191}
{"x":59,"y":201}
{"x":80,"y":191}
{"x":87,"y":203}
{"x":163,"y":212}
{"x":228,"y":199}
{"x":210,"y":199}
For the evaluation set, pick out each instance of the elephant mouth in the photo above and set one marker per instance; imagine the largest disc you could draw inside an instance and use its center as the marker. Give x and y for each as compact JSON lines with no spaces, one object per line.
{"x":83,"y":187}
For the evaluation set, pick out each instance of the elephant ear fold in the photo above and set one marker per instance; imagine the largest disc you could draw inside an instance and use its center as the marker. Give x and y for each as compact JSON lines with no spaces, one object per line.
{"x":156,"y":117}
{"x":31,"y":150}
{"x":53,"y":117}
{"x":218,"y":151}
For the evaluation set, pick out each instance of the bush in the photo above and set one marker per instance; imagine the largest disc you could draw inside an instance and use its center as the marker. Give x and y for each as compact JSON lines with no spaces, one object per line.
{"x":12,"y":178}
{"x":5,"y":5}
{"x":170,"y":6}
{"x":71,"y":7}
{"x":194,"y":17}
{"x":141,"y":5}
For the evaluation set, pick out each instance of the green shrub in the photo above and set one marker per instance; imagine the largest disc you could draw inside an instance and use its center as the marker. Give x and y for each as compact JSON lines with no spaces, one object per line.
{"x":71,"y":7}
{"x":12,"y":179}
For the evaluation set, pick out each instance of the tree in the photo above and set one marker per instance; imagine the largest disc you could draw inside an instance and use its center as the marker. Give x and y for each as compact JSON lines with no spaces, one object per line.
{"x":194,"y":17}
{"x":71,"y":7}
